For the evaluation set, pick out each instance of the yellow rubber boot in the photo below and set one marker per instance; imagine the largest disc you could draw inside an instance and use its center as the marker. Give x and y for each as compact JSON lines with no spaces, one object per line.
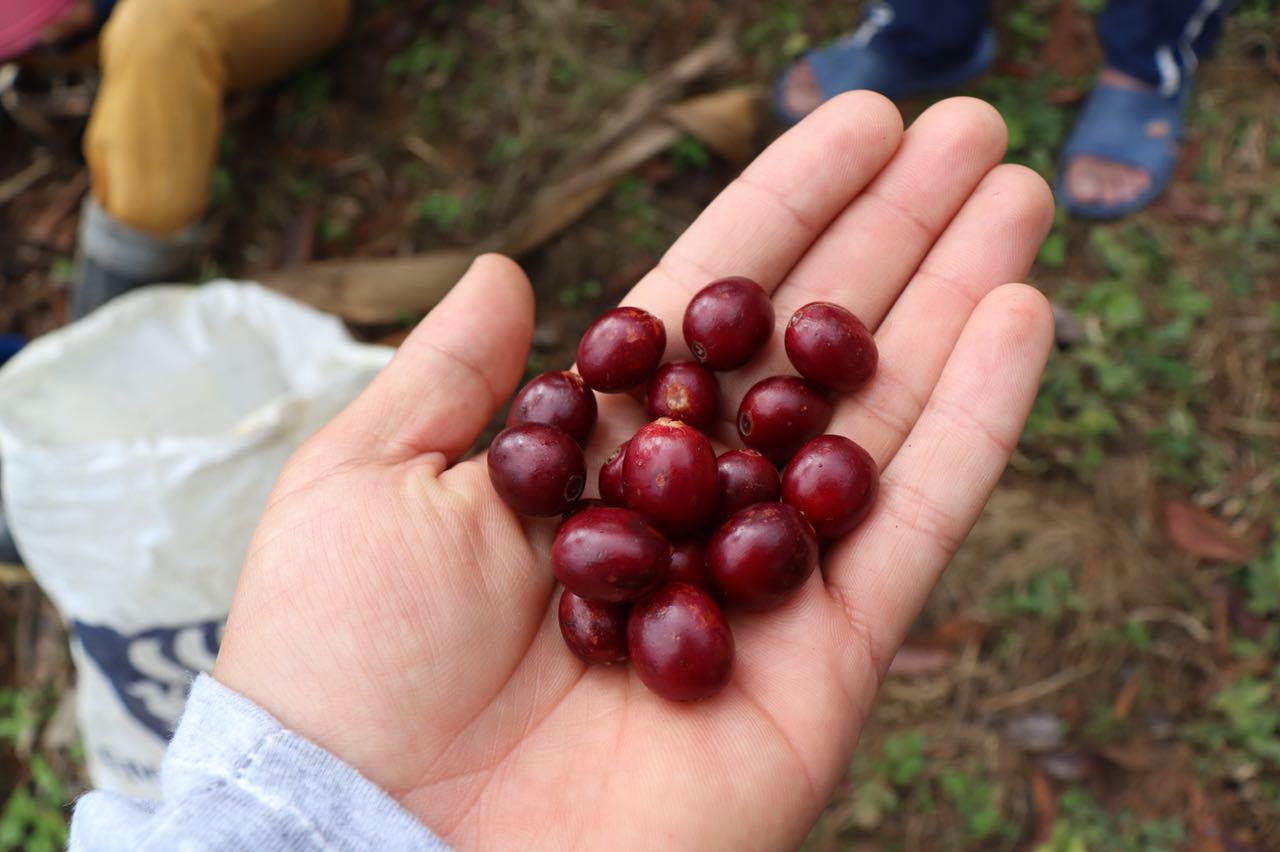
{"x":166,"y":66}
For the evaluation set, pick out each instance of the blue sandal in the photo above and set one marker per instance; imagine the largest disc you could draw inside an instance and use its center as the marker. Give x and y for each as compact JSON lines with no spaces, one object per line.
{"x":856,"y":62}
{"x":1137,"y":128}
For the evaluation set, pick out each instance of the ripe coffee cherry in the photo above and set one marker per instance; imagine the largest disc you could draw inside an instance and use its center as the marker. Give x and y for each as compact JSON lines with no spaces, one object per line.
{"x":832,"y":481}
{"x":780,"y":413}
{"x":557,"y":399}
{"x":680,"y":643}
{"x":621,"y":349}
{"x":728,"y":322}
{"x":536,"y":469}
{"x":610,"y":481}
{"x":689,"y":564}
{"x":596,"y":632}
{"x":762,"y":555}
{"x":829,"y":345}
{"x":686,"y":391}
{"x":669,"y":475}
{"x":746,"y":478}
{"x":609,"y":555}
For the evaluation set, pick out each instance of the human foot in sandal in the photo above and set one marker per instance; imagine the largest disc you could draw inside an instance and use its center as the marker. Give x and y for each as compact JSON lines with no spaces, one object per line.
{"x":861,"y":60}
{"x":1123,"y":148}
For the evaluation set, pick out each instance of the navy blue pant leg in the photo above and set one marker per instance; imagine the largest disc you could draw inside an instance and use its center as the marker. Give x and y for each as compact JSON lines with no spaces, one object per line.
{"x":1160,"y":41}
{"x":934,"y":35}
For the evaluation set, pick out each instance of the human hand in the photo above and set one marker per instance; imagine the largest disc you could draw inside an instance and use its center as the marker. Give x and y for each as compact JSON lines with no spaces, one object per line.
{"x":393,"y":610}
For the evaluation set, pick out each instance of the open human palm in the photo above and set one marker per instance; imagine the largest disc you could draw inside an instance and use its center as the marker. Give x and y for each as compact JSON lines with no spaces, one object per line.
{"x":393,"y":610}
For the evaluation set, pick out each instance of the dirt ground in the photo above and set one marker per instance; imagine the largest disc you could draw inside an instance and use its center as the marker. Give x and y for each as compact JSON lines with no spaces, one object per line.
{"x":1100,"y":667}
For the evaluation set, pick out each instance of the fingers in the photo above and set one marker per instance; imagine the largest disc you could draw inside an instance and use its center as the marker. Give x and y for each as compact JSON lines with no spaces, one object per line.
{"x":936,"y":485}
{"x":993,"y":239}
{"x":765,"y":221}
{"x":451,"y":375}
{"x":870,"y":251}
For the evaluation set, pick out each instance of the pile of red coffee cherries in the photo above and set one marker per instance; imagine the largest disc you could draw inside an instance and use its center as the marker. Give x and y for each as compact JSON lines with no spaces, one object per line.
{"x":677,"y":530}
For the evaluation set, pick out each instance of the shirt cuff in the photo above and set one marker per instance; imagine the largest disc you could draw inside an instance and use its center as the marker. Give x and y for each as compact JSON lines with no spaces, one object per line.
{"x":234,"y":777}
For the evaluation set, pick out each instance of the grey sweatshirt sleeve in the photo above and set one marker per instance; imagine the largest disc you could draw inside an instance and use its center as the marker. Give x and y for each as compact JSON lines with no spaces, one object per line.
{"x":234,"y":778}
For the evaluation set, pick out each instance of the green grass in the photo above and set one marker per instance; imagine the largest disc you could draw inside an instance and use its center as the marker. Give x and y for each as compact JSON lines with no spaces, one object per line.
{"x":34,"y":816}
{"x":1085,"y":826}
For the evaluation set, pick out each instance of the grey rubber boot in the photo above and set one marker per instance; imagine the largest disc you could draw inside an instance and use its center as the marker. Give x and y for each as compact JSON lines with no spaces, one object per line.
{"x":115,"y":258}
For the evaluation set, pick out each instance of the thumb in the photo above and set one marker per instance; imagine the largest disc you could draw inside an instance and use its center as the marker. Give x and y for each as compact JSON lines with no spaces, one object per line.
{"x":450,"y":375}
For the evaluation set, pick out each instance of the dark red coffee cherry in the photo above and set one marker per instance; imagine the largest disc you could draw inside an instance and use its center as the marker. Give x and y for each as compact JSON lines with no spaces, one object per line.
{"x":685,"y":391}
{"x":689,"y":564}
{"x":728,"y":322}
{"x":610,"y":481}
{"x":830,"y":346}
{"x":680,"y":643}
{"x":832,"y":481}
{"x":557,"y":399}
{"x":536,"y":469}
{"x":621,"y":349}
{"x":669,"y":475}
{"x":595,"y":632}
{"x":609,"y":555}
{"x":762,"y":555}
{"x":780,"y":413}
{"x":746,"y":478}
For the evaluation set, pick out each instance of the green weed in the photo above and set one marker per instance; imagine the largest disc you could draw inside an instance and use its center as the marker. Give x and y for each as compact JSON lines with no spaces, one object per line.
{"x":34,"y":817}
{"x":1037,"y":127}
{"x":1084,"y":826}
{"x":425,"y":56}
{"x":442,"y":210}
{"x":1135,"y":350}
{"x":586,"y":292}
{"x":977,"y":803}
{"x":633,"y":198}
{"x":1050,"y":595}
{"x":688,"y":154}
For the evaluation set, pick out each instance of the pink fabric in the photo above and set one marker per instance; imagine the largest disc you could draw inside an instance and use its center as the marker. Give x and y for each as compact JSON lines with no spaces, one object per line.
{"x":22,"y":20}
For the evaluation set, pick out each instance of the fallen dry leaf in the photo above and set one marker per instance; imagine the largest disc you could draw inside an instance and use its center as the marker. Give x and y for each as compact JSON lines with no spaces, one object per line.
{"x":724,"y":121}
{"x":1045,"y":807}
{"x":915,"y":661}
{"x":1123,"y":704}
{"x":1202,"y":534}
{"x":373,"y":291}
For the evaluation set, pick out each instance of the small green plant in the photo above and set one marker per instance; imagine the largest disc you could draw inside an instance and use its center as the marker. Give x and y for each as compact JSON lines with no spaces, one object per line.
{"x":977,"y":802}
{"x":903,"y":760}
{"x":1132,"y":375}
{"x":1084,"y":826}
{"x":881,"y":786}
{"x":1036,"y":126}
{"x":306,"y":94}
{"x":504,"y":149}
{"x":34,"y":815}
{"x":780,"y":31}
{"x":1248,"y":723}
{"x":634,"y":199}
{"x":425,"y":56}
{"x":34,"y":818}
{"x":441,"y":210}
{"x":1262,"y":577}
{"x":688,"y":154}
{"x":587,"y":291}
{"x":1050,"y":595}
